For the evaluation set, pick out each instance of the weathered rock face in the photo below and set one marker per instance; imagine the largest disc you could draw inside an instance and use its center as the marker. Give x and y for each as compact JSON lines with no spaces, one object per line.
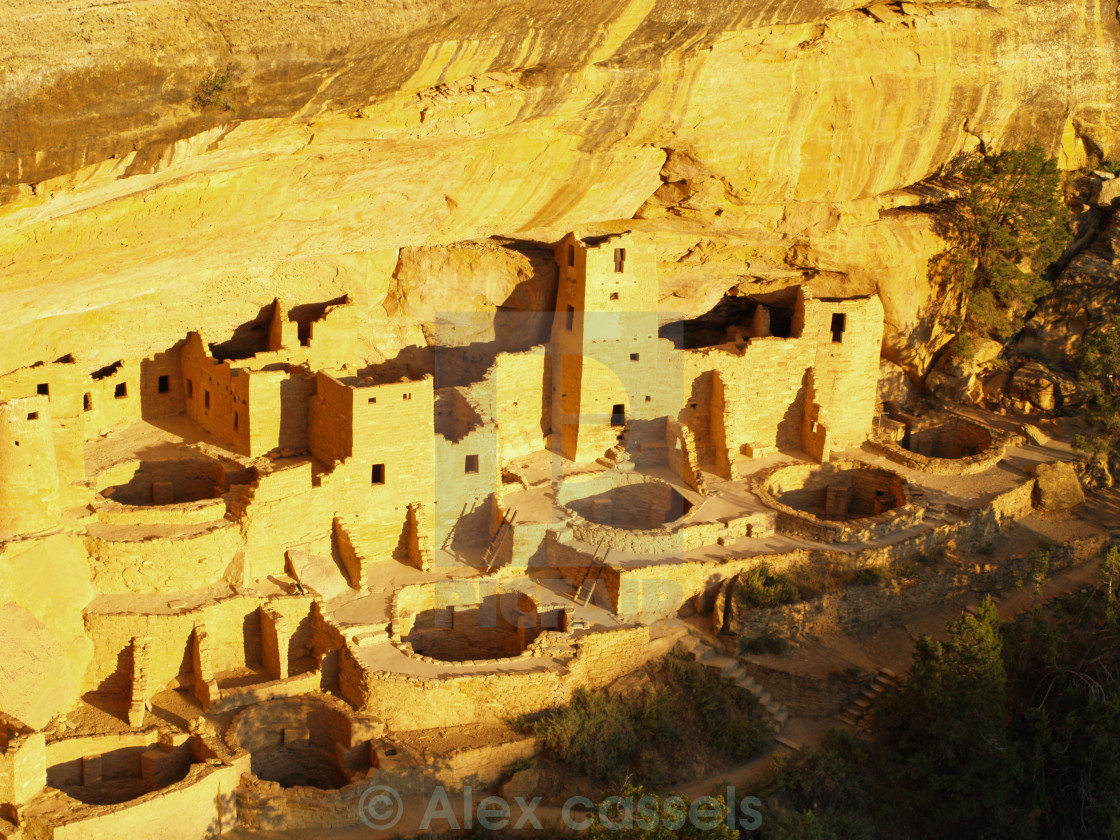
{"x":1058,"y":487}
{"x":762,"y":143}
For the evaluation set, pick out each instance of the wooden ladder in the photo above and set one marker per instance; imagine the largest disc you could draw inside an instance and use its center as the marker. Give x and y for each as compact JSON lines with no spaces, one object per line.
{"x":591,"y":579}
{"x":496,"y":543}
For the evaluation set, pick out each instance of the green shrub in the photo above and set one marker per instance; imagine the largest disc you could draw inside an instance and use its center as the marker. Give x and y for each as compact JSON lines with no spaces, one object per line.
{"x":757,"y":587}
{"x":868,"y":576}
{"x":1006,"y":230}
{"x":613,"y":738}
{"x":214,"y":91}
{"x":769,"y":642}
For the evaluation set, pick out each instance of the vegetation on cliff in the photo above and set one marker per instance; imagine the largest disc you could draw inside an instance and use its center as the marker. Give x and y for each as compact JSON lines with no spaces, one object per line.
{"x":637,"y":732}
{"x":1003,"y":731}
{"x":1004,"y":232}
{"x":1099,"y":376}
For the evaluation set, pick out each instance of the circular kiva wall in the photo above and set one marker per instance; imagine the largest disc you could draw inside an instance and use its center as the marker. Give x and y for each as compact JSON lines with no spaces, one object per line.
{"x":841,"y":502}
{"x":165,"y":482}
{"x":642,"y":506}
{"x":112,"y":769}
{"x":947,"y":444}
{"x":625,"y":511}
{"x":474,"y":626}
{"x":301,"y":742}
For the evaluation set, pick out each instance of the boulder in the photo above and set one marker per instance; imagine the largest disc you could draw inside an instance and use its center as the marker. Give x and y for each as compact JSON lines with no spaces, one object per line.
{"x":1036,"y":385}
{"x":1034,"y":434}
{"x":521,"y":785}
{"x":1110,"y":191}
{"x":1057,"y":487}
{"x":319,"y":574}
{"x":36,"y":682}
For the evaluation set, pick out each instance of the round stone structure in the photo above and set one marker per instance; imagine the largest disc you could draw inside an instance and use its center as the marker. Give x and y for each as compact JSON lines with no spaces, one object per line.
{"x":942,"y":443}
{"x":468,"y":622}
{"x":626,"y":511}
{"x":169,"y":481}
{"x":302,"y":742}
{"x":847,"y":501}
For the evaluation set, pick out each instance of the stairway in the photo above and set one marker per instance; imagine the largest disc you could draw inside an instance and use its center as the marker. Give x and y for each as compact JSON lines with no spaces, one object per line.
{"x":733,"y":668}
{"x":854,"y":713}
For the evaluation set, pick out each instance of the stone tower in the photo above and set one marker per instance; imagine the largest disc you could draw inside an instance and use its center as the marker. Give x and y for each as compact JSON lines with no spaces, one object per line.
{"x":611,"y":372}
{"x":29,"y":491}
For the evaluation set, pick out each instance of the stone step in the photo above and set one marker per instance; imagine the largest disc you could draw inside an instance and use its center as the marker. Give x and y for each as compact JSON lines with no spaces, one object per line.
{"x":736,"y":674}
{"x":786,"y":742}
{"x":781,"y":717}
{"x":723,"y":664}
{"x":764,"y":698}
{"x":773,"y":707}
{"x":845,"y":718}
{"x":749,"y":683}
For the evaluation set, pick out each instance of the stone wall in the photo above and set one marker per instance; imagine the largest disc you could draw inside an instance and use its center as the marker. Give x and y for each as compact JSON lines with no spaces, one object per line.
{"x":159,"y":563}
{"x":948,"y":434}
{"x":522,"y":384}
{"x":406,"y":702}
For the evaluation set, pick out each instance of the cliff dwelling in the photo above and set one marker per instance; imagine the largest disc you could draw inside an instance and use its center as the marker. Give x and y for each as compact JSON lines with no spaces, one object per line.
{"x":265,"y":522}
{"x":517,"y":401}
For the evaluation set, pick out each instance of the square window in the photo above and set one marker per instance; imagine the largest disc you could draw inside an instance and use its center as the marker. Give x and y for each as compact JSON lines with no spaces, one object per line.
{"x":43,"y":389}
{"x":87,"y":402}
{"x":377,"y":474}
{"x":163,"y":384}
{"x":647,"y":398}
{"x":472,"y":464}
{"x":33,"y":415}
{"x":408,"y":396}
{"x":614,"y":295}
{"x":190,"y":389}
{"x":121,"y":391}
{"x":634,"y":357}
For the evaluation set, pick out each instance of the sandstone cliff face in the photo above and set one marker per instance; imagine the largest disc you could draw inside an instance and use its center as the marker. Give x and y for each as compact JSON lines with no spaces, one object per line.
{"x":762,"y":143}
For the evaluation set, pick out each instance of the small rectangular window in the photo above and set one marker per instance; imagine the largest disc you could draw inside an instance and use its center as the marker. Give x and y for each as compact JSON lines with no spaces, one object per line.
{"x":190,"y":390}
{"x":206,"y":400}
{"x":377,"y":474}
{"x":472,"y":464}
{"x":648,"y":398}
{"x":634,"y":357}
{"x":43,"y":389}
{"x":571,"y":255}
{"x":121,"y":391}
{"x":571,"y":317}
{"x":33,"y":415}
{"x":163,"y":384}
{"x":614,"y":295}
{"x":372,"y":400}
{"x":87,"y":402}
{"x":839,"y":320}
{"x":407,"y":396}
{"x":619,"y":260}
